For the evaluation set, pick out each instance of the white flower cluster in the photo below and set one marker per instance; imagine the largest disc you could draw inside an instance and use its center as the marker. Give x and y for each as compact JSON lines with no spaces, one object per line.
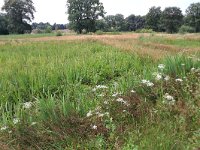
{"x":167,"y":78}
{"x":132,"y":91}
{"x":94,"y":127}
{"x":169,"y":99}
{"x":147,"y":83}
{"x":4,"y":128}
{"x":16,"y":120}
{"x":99,"y":114}
{"x":161,"y":66}
{"x":121,"y":100}
{"x":27,"y":105}
{"x":158,"y":77}
{"x":99,"y":87}
{"x":179,"y":80}
{"x":195,"y":70}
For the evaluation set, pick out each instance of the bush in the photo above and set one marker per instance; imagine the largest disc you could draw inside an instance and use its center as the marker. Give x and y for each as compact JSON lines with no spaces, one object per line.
{"x":144,"y":31}
{"x":99,"y":32}
{"x":36,"y":31}
{"x":48,"y":30}
{"x":186,"y":29}
{"x":58,"y":33}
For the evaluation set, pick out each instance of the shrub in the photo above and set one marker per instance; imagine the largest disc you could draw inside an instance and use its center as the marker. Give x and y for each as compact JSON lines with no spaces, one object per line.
{"x":186,"y":29}
{"x":58,"y":33}
{"x":36,"y":31}
{"x":48,"y":30}
{"x":99,"y":32}
{"x":144,"y":31}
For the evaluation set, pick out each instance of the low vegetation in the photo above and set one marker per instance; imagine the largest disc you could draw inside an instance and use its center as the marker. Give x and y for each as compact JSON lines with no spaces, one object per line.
{"x":91,"y":94}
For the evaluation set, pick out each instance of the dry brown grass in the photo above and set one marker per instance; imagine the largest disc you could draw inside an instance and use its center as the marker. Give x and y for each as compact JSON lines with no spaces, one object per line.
{"x":128,"y":42}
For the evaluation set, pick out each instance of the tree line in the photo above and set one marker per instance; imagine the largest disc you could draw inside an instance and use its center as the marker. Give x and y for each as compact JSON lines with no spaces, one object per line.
{"x":84,"y":16}
{"x":89,"y":16}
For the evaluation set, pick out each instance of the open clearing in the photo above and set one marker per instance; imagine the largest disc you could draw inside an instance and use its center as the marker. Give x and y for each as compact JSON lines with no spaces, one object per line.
{"x":154,"y":45}
{"x":127,"y":91}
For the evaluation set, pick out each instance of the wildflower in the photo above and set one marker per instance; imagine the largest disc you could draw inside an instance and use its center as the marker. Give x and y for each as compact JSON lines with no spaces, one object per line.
{"x":158,"y":77}
{"x":89,"y":113}
{"x":148,"y":83}
{"x":107,"y":113}
{"x":167,"y":78}
{"x":179,"y":80}
{"x":169,"y":99}
{"x":105,"y":102}
{"x":94,"y":89}
{"x":161,"y":66}
{"x":10,"y":132}
{"x":115,"y":85}
{"x":27,"y":105}
{"x":144,"y":81}
{"x":16,"y":120}
{"x":94,"y":127}
{"x":101,"y":95}
{"x":101,"y":87}
{"x":115,"y":94}
{"x":193,"y":69}
{"x":121,"y":100}
{"x":182,"y":64}
{"x":100,"y":115}
{"x":4,"y":128}
{"x":33,"y":123}
{"x":132,"y":91}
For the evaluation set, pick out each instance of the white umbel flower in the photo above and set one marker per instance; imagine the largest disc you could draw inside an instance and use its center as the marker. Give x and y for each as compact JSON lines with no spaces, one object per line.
{"x":158,"y":77}
{"x":169,"y":99}
{"x":16,"y":120}
{"x":27,"y":105}
{"x":89,"y":114}
{"x":94,"y":127}
{"x":147,"y":83}
{"x":4,"y":128}
{"x":161,"y":66}
{"x":179,"y":80}
{"x":167,"y":78}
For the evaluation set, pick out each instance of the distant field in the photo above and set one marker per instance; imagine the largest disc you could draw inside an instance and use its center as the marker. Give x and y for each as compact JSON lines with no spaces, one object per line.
{"x":125,"y":91}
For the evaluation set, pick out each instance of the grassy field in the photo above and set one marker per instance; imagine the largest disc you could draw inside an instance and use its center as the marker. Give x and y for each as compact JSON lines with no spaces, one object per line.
{"x":127,"y":91}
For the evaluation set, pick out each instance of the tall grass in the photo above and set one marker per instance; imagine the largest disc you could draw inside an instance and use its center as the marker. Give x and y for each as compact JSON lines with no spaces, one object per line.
{"x":88,"y":95}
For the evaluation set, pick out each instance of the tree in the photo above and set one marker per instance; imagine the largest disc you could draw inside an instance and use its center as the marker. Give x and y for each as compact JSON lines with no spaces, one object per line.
{"x":193,"y":16}
{"x":19,"y":13}
{"x":3,"y":24}
{"x":130,"y":21}
{"x":83,"y":14}
{"x":172,"y":19}
{"x":135,"y":22}
{"x":110,"y":21}
{"x":139,"y":22}
{"x":153,"y":18}
{"x":120,"y":22}
{"x":102,"y":25}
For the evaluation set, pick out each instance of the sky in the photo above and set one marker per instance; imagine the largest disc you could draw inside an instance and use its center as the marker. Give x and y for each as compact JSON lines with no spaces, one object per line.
{"x":54,"y":11}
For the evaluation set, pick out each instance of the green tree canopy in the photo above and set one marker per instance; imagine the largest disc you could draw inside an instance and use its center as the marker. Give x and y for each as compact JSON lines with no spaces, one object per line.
{"x":153,"y":18}
{"x":172,"y":19}
{"x":193,"y":16}
{"x":19,"y":13}
{"x":134,"y":23}
{"x":83,"y":14}
{"x":3,"y":24}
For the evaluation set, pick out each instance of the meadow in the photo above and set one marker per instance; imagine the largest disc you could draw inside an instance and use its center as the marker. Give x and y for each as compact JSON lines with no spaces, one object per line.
{"x":126,"y":91}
